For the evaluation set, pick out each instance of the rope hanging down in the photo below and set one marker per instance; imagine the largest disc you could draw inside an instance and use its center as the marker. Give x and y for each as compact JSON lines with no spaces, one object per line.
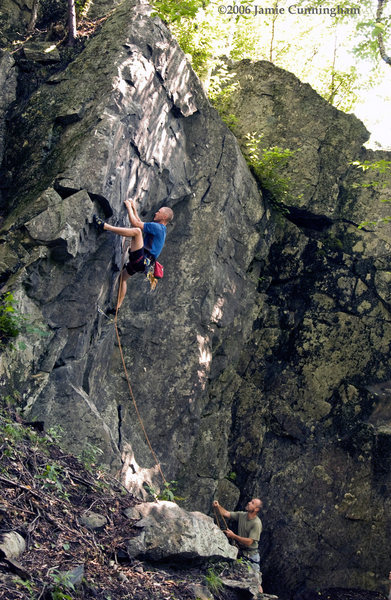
{"x":219,"y":516}
{"x":128,"y":380}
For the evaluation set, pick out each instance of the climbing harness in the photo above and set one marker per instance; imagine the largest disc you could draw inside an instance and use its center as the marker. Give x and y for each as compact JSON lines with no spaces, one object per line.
{"x":153,"y":270}
{"x":149,"y":274}
{"x":128,"y":379}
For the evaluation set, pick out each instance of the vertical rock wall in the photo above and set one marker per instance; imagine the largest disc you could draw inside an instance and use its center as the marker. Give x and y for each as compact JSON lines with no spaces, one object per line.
{"x":311,"y":419}
{"x":261,"y":364}
{"x":128,"y":118}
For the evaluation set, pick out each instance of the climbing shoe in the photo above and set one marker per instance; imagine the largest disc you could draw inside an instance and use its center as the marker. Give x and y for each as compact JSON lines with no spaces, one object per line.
{"x":98,"y":222}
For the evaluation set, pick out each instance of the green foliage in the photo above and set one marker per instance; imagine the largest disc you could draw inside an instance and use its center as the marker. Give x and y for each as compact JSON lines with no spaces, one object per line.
{"x":151,"y":490}
{"x":56,"y":433}
{"x":171,"y":11}
{"x":10,"y":319}
{"x":27,"y":585}
{"x":340,"y":88}
{"x":82,"y":7}
{"x":89,"y":455}
{"x":214,"y":582}
{"x":365,"y":224}
{"x":168,"y":492}
{"x":380,"y":167}
{"x":245,"y":563}
{"x":266,"y":165}
{"x":16,"y":434}
{"x":13,"y":432}
{"x":62,"y":585}
{"x":52,"y":476}
{"x":369,"y":31}
{"x":296,"y":43}
{"x":196,"y":44}
{"x":364,"y":43}
{"x":13,"y":322}
{"x":220,"y":91}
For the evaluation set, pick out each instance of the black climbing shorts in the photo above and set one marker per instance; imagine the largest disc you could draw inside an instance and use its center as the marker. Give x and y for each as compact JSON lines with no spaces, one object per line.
{"x":136,"y":262}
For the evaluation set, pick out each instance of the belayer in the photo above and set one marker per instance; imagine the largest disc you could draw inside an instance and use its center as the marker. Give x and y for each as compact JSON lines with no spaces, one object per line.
{"x":249,"y":532}
{"x":146,"y":244}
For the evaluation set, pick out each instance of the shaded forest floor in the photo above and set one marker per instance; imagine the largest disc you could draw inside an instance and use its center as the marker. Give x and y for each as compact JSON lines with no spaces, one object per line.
{"x":44,"y":493}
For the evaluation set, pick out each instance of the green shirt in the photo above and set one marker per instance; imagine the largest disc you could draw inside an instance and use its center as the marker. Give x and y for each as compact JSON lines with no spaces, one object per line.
{"x":248,"y":528}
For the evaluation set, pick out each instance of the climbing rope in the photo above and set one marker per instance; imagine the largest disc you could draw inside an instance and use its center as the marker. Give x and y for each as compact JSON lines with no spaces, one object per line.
{"x":128,"y":379}
{"x":219,"y":516}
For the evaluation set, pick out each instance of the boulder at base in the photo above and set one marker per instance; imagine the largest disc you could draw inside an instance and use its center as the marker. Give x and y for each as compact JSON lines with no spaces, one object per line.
{"x":12,"y":545}
{"x":168,"y":531}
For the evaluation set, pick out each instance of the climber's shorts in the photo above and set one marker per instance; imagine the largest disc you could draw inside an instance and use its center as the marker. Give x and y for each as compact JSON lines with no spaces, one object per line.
{"x":136,"y":262}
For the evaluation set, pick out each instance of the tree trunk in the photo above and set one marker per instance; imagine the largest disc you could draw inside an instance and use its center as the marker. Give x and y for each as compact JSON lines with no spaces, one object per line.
{"x":72,"y":35}
{"x":274,"y":18}
{"x":34,"y":15}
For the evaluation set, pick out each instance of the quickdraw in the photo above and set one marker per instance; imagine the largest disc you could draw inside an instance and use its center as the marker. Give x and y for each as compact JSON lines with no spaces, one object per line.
{"x":153,"y":271}
{"x":151,"y":277}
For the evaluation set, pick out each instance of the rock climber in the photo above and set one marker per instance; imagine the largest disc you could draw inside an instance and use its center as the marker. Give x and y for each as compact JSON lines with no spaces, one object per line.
{"x":147,"y":240}
{"x":249,"y":532}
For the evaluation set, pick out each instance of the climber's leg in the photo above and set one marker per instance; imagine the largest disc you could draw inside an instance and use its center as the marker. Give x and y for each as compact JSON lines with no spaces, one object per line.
{"x":122,"y":286}
{"x":133,"y":232}
{"x":135,"y":262}
{"x":134,"y":265}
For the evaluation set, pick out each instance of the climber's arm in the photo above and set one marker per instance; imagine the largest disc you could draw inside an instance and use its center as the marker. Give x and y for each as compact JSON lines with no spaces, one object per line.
{"x":134,"y":219}
{"x":225,"y":513}
{"x":238,"y":538}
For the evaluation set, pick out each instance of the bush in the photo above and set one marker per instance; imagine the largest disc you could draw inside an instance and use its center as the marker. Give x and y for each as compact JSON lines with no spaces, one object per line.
{"x":10,"y":319}
{"x":266,"y":165}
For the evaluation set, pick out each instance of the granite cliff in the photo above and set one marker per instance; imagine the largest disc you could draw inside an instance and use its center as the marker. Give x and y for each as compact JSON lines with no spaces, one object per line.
{"x":261,"y":364}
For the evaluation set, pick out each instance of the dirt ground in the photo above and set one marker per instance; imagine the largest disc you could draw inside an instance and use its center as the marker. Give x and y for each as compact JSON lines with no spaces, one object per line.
{"x":43,"y":495}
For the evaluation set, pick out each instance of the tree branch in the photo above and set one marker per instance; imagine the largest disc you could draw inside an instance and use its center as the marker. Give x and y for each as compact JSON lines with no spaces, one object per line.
{"x":380,"y":6}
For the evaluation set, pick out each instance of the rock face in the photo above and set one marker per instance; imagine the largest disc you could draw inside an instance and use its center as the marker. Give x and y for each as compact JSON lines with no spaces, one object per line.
{"x":139,"y":126}
{"x":15,"y":14}
{"x":261,"y":363}
{"x":168,"y":532}
{"x":8,"y":82}
{"x":311,"y":424}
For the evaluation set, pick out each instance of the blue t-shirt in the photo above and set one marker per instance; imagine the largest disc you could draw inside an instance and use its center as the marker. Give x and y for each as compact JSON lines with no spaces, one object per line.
{"x":154,"y":237}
